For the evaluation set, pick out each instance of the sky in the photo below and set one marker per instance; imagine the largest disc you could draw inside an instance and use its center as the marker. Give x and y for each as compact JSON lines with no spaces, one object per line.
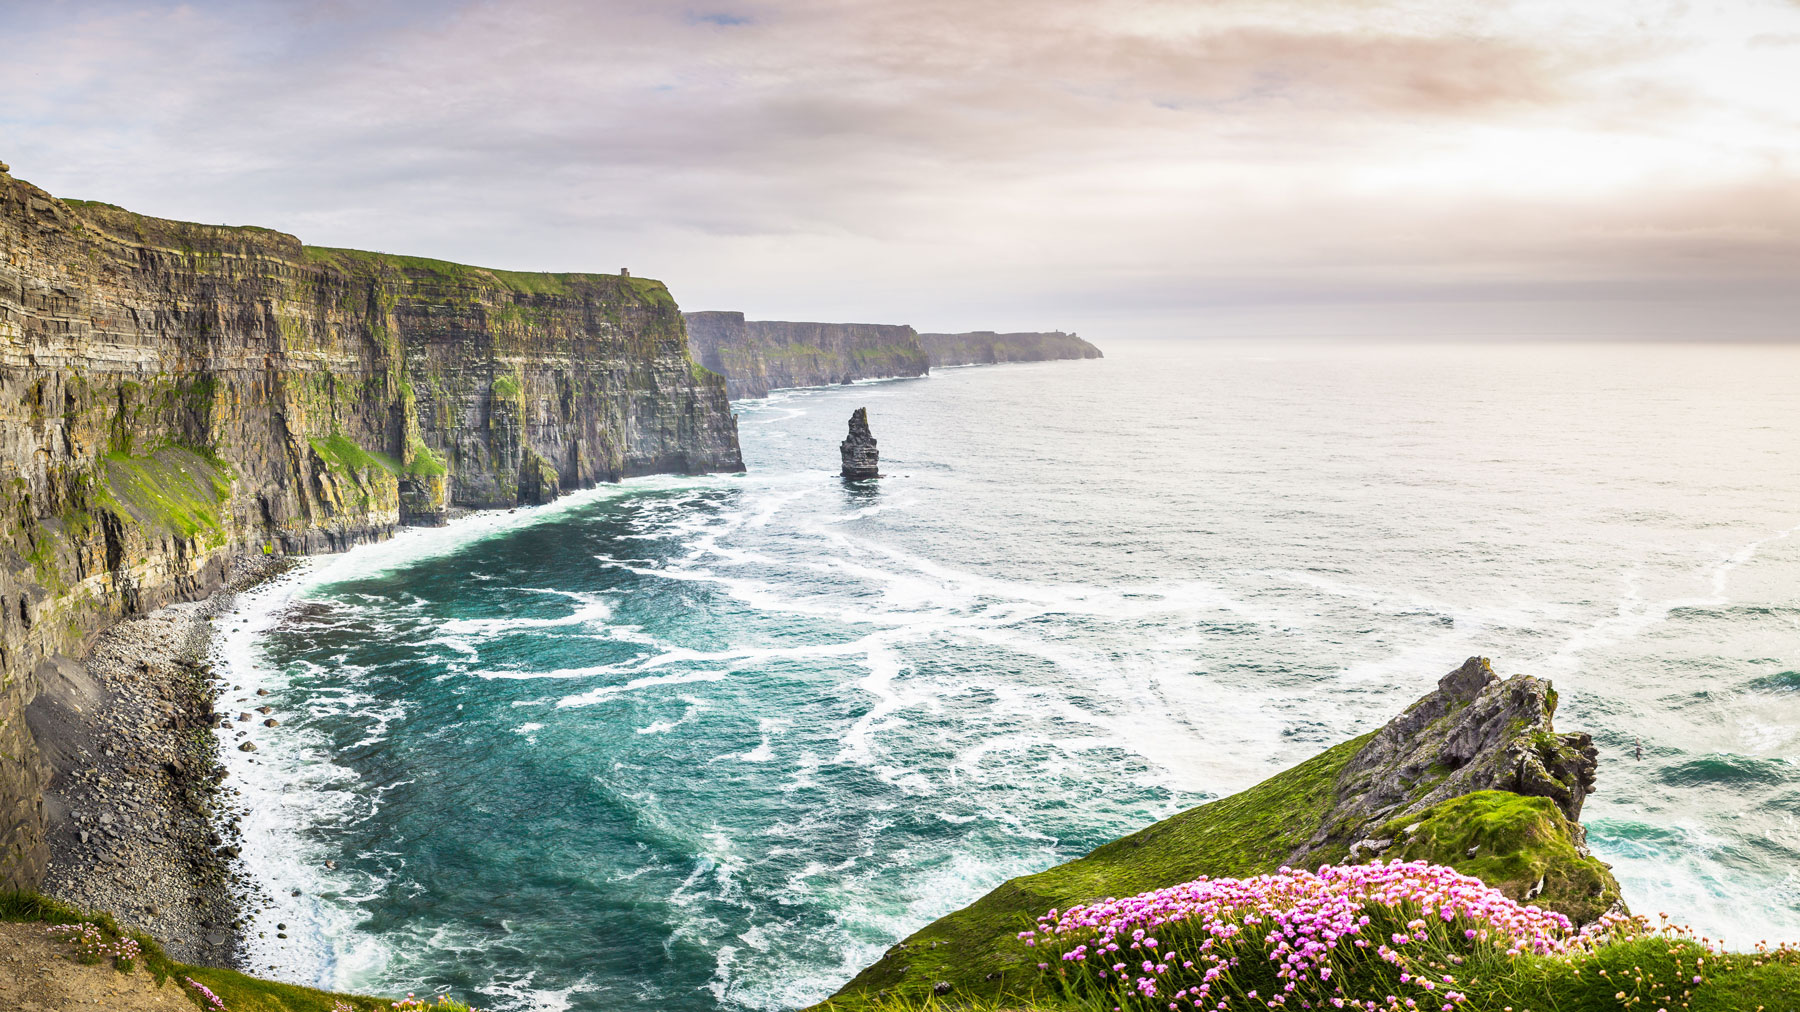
{"x":1128,"y":168}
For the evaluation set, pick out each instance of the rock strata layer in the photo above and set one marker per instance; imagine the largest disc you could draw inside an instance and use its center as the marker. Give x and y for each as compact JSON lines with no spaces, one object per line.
{"x":985,"y":347}
{"x":861,"y":460}
{"x":174,"y":395}
{"x":757,"y":356}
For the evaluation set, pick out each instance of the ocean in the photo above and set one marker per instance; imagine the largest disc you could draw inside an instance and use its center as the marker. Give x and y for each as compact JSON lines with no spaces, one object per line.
{"x":714,"y":743}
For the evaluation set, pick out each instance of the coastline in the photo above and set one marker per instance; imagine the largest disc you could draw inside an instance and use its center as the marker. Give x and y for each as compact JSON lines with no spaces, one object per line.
{"x":292,"y":924}
{"x":139,"y":819}
{"x":147,"y":822}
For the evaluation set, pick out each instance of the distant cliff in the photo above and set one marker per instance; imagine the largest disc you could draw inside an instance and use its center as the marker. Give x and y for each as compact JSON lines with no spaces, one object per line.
{"x":985,"y":347}
{"x":173,"y":395}
{"x":756,"y":356}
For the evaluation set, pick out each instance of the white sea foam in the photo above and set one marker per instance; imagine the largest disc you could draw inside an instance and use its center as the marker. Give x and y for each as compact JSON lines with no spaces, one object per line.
{"x":592,"y":696}
{"x":289,"y":782}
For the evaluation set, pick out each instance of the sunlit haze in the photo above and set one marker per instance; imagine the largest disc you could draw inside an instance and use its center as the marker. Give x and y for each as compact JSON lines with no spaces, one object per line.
{"x":1602,"y":169}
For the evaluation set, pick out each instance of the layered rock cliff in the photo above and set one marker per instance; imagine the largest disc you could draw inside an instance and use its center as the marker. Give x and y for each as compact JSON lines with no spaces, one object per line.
{"x":756,"y":356}
{"x":173,"y":395}
{"x":985,"y":347}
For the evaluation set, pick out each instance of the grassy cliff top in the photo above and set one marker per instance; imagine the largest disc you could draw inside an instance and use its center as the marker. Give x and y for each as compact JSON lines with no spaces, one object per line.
{"x":354,"y":261}
{"x":197,"y":237}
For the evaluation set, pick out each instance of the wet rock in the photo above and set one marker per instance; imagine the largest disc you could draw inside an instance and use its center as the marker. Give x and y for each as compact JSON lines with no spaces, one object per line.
{"x":248,"y":746}
{"x":271,"y":722}
{"x":860,"y":458}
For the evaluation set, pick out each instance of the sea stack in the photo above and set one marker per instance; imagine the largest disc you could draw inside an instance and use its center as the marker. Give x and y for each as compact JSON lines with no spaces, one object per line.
{"x":858,"y":448}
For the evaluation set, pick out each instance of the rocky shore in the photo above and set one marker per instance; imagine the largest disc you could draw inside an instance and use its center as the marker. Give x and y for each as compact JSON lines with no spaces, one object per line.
{"x":140,"y":821}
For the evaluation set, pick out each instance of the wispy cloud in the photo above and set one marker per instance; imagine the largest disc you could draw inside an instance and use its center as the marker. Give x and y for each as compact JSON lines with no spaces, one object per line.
{"x":1013,"y":163}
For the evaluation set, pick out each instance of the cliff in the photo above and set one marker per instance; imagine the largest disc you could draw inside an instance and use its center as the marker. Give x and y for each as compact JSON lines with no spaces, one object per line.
{"x":756,"y":356}
{"x":985,"y":347}
{"x":175,"y":395}
{"x":1472,"y":776}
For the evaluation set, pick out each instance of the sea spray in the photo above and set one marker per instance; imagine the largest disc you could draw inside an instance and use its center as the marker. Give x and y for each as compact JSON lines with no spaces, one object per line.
{"x":802,"y":721}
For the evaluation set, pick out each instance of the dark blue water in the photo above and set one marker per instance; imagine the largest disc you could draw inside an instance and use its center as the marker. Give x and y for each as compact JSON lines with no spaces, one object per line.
{"x":715,"y":743}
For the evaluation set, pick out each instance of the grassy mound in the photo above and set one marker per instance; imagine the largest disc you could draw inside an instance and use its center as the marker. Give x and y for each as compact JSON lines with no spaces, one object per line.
{"x":1522,"y":846}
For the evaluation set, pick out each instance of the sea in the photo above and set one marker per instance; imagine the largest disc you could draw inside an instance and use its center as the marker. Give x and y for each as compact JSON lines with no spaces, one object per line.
{"x":714,"y":743}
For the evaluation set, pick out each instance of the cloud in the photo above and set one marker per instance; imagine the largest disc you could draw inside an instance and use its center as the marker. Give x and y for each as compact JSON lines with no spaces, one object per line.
{"x":932,"y":158}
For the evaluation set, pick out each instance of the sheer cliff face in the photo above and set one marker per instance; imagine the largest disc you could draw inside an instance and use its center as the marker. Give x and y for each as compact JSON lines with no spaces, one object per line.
{"x":985,"y":347}
{"x":174,"y":394}
{"x":756,"y":356}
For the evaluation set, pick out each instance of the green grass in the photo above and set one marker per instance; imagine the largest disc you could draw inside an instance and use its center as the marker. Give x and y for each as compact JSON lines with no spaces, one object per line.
{"x":240,"y":992}
{"x":422,"y":461}
{"x":355,"y":261}
{"x":174,"y":488}
{"x":1512,"y":843}
{"x":506,"y":387}
{"x":342,"y":453}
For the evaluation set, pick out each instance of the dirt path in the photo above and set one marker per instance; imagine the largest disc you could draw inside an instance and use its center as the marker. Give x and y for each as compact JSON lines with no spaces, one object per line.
{"x":39,"y":974}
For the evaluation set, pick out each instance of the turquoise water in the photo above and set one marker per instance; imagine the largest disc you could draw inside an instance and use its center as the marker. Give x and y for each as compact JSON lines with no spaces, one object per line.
{"x":715,"y":743}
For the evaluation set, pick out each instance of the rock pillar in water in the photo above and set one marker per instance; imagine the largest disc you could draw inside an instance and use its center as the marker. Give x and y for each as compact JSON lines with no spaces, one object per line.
{"x":858,"y":449}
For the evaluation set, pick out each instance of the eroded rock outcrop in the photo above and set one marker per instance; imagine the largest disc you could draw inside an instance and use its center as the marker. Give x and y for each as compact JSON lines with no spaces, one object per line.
{"x":985,"y":347}
{"x":861,"y":460}
{"x":1475,"y":733}
{"x":756,"y":356}
{"x":174,"y":395}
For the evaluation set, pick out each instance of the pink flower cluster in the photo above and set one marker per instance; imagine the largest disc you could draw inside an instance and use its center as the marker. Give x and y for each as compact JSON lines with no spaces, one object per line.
{"x":91,"y":945}
{"x":206,"y":992}
{"x":1201,"y":944}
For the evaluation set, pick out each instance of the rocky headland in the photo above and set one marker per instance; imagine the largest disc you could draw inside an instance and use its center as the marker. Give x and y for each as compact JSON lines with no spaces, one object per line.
{"x":1472,"y":776}
{"x":985,"y":347}
{"x":176,"y":399}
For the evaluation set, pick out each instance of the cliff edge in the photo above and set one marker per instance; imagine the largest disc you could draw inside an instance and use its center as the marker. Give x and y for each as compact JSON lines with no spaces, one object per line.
{"x":175,"y":395}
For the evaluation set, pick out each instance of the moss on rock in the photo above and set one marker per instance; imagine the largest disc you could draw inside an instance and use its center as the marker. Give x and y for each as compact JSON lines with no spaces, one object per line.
{"x":173,"y":488}
{"x":1522,"y":846}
